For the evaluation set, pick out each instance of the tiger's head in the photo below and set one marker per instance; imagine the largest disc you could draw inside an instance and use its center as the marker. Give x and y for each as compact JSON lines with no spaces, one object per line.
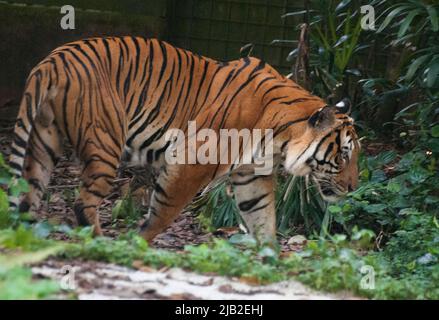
{"x":327,"y":151}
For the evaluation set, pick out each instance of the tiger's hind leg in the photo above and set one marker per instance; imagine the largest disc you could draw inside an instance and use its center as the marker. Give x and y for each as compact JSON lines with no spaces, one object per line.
{"x":100,"y":158}
{"x":44,"y":150}
{"x":255,"y":199}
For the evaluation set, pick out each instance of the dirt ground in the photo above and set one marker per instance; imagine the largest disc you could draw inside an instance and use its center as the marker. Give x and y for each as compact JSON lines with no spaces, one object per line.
{"x":95,"y":281}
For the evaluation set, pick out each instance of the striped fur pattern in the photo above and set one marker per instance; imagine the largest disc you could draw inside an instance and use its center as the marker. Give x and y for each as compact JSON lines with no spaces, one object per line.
{"x":115,"y":98}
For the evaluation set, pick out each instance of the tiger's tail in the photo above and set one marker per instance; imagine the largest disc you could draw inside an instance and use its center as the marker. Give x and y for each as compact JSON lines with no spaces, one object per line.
{"x":35,"y":97}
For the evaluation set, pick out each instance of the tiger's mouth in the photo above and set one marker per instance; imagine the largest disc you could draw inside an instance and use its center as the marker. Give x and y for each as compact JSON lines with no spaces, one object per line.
{"x":330,"y":192}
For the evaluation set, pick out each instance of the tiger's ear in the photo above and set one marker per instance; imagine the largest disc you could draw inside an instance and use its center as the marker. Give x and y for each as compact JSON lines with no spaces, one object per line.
{"x":322,"y":118}
{"x":344,"y":106}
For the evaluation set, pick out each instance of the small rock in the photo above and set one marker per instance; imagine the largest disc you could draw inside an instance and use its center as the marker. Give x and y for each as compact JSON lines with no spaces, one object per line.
{"x":297,"y":240}
{"x":427,"y":258}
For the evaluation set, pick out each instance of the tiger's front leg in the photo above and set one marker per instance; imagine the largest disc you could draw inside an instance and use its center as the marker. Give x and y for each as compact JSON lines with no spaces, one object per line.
{"x":174,"y":189}
{"x":255,"y":199}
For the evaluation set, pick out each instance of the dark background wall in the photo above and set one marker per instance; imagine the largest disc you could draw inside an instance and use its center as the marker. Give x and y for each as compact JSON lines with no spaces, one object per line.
{"x":219,"y":28}
{"x":30,"y":29}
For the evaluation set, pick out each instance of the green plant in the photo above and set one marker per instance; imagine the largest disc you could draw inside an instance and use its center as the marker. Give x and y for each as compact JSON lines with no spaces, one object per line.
{"x":16,"y":187}
{"x":127,"y":209}
{"x":298,"y":203}
{"x":334,"y":29}
{"x":299,"y":207}
{"x":17,"y":283}
{"x":217,"y":207}
{"x":21,"y":247}
{"x":416,"y":23}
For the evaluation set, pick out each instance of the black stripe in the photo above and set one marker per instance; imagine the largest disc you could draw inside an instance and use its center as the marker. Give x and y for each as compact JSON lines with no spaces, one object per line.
{"x":98,"y":158}
{"x":164,"y":63}
{"x":64,"y":102}
{"x":108,"y":54}
{"x":263,"y":81}
{"x":145,"y":88}
{"x":159,"y":152}
{"x":249,"y":204}
{"x":119,"y":67}
{"x":152,"y":115}
{"x":243,"y":183}
{"x":258,"y":208}
{"x":137,"y":46}
{"x":15,"y":166}
{"x":162,"y":202}
{"x":200,"y":85}
{"x":16,"y":152}
{"x":95,"y":193}
{"x":35,"y":183}
{"x":19,"y":141}
{"x":245,"y":65}
{"x":290,"y":102}
{"x":273,"y":100}
{"x":47,"y":149}
{"x":287,"y":125}
{"x":328,"y":150}
{"x":252,"y":75}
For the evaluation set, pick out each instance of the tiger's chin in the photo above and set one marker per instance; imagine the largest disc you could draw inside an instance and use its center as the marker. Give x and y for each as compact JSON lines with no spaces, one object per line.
{"x":330,"y":194}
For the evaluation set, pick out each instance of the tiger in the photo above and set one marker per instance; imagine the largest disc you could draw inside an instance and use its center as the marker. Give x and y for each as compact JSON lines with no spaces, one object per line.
{"x":112,"y":99}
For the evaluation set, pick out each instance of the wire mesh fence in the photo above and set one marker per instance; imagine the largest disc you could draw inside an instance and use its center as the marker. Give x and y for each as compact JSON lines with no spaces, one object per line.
{"x":219,"y":28}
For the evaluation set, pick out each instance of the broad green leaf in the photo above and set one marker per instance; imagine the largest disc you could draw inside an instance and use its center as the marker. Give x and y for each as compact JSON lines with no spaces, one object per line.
{"x":375,"y":208}
{"x":390,"y":17}
{"x":378,"y":176}
{"x":354,"y":72}
{"x":414,"y":66}
{"x":435,"y":131}
{"x":342,"y":39}
{"x":334,"y":209}
{"x":115,"y":212}
{"x":5,"y":217}
{"x":386,"y":157}
{"x":408,"y":211}
{"x":339,"y":238}
{"x":434,"y":145}
{"x":393,"y":186}
{"x":433,"y":18}
{"x":404,"y":110}
{"x":418,"y":175}
{"x":342,"y":5}
{"x":433,"y":73}
{"x":406,"y":22}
